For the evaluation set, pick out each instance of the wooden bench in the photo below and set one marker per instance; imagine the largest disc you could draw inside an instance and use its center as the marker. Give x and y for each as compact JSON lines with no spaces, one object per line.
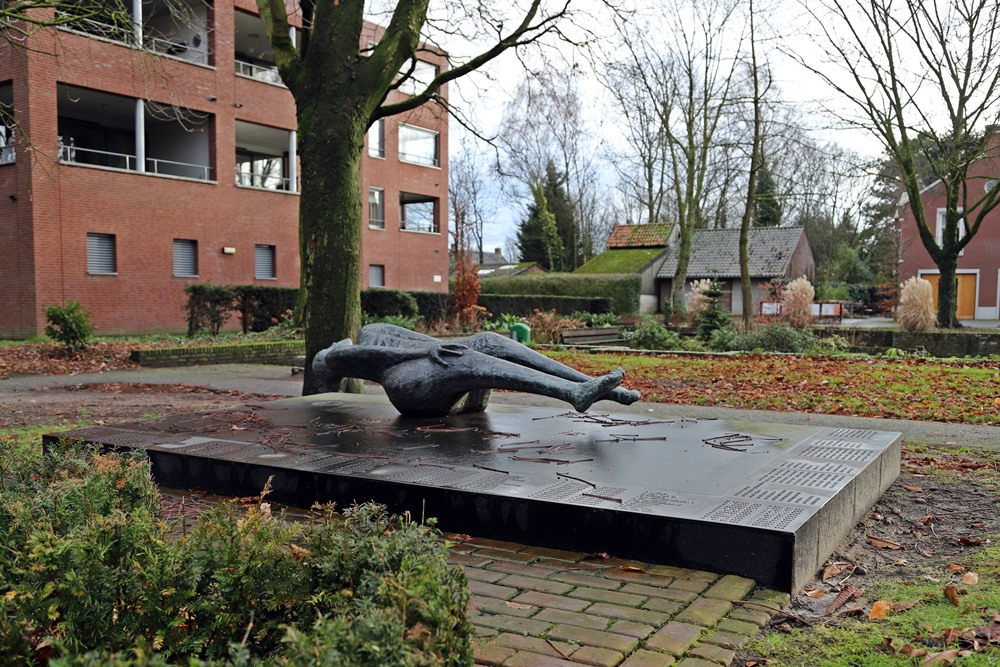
{"x":592,"y":336}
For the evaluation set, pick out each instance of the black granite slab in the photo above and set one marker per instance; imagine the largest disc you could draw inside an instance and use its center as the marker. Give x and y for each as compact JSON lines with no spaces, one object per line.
{"x":769,"y":501}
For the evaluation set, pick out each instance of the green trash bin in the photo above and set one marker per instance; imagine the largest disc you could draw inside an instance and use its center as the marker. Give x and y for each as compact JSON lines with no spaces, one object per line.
{"x":521,"y":332}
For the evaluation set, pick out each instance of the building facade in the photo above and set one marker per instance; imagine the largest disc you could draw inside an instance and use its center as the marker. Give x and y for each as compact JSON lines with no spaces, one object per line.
{"x":128,"y":173}
{"x":978,"y":272}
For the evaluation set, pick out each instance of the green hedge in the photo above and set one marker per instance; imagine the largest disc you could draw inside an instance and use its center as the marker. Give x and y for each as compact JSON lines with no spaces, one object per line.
{"x":387,"y":302}
{"x":524,"y":305}
{"x":621,"y":289}
{"x":262,"y":307}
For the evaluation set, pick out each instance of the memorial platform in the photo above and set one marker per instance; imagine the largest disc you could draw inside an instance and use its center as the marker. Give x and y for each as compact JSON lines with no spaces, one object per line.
{"x":768,"y":501}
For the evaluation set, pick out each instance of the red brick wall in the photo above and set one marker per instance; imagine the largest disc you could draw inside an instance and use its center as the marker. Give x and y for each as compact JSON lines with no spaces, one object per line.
{"x":58,"y":204}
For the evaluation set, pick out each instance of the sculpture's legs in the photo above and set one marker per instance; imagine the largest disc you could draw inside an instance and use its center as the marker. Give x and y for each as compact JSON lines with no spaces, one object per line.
{"x":498,"y":346}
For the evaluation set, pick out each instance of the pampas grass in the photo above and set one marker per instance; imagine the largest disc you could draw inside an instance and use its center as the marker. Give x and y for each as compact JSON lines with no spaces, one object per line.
{"x":916,"y":306}
{"x":796,"y":303}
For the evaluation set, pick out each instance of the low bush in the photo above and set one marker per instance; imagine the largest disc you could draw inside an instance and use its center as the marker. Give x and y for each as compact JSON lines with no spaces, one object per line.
{"x":208,"y":307}
{"x":776,"y":337}
{"x":69,"y":324}
{"x":546,"y":326}
{"x":92,"y":575}
{"x":653,"y":336}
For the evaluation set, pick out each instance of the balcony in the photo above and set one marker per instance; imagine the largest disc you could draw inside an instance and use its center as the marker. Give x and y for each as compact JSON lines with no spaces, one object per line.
{"x":97,"y":129}
{"x":265,"y":157}
{"x":254,"y":58}
{"x":6,"y":124}
{"x":177,"y":28}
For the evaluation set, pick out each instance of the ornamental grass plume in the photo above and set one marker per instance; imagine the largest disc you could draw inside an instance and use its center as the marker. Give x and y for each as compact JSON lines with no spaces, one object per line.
{"x":796,"y":303}
{"x":915,"y":311}
{"x":696,"y":299}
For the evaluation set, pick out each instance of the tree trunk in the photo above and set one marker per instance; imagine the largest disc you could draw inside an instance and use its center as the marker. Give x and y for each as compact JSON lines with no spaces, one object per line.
{"x":947,"y":294}
{"x":678,"y":295}
{"x":330,"y":226}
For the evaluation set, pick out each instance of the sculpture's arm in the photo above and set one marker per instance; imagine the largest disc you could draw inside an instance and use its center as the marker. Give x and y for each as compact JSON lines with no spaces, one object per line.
{"x":438,"y":352}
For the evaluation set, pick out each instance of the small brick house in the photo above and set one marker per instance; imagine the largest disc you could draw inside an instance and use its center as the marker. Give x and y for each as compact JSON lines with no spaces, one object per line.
{"x":128,"y":173}
{"x":978,"y":272}
{"x":774,"y":252}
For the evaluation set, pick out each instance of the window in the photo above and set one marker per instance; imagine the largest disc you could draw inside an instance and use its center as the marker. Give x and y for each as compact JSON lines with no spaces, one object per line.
{"x":101,"y":254}
{"x":263,"y":262}
{"x":417,"y":80}
{"x":376,"y":275}
{"x":939,"y":229}
{"x":376,"y":139}
{"x":376,"y":208}
{"x":185,"y":258}
{"x":417,"y":213}
{"x":418,"y":145}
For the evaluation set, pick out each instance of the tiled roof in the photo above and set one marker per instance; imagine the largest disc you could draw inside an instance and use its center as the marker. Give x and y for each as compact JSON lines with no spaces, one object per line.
{"x":715,"y":253}
{"x":639,"y":236}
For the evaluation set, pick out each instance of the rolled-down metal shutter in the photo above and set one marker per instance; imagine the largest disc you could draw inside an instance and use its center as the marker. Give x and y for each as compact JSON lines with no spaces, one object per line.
{"x":264,"y":262}
{"x":101,"y":253}
{"x":185,"y":258}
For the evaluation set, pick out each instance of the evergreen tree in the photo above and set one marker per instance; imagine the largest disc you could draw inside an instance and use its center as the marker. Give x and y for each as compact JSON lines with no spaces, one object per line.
{"x":530,"y":241}
{"x":766,"y":205}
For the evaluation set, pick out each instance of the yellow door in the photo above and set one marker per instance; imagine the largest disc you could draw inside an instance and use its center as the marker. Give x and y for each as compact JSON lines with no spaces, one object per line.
{"x":966,"y":294}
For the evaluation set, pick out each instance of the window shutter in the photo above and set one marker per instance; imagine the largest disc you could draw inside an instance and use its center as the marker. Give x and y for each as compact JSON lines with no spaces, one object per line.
{"x":101,"y":253}
{"x":185,"y":258}
{"x":264,"y":262}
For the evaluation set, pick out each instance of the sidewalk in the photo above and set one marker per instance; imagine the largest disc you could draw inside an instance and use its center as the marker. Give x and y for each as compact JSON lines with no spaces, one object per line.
{"x":535,"y":607}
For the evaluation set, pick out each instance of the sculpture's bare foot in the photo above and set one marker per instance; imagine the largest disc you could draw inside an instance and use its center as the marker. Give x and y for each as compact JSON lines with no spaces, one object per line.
{"x":625,"y":396}
{"x":587,"y":393}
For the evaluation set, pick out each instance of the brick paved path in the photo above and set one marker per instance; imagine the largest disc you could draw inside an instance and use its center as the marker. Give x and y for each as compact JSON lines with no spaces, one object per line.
{"x":535,"y":607}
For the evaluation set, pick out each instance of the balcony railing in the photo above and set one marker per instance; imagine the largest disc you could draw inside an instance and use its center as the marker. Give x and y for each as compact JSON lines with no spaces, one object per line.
{"x":420,"y":158}
{"x":124,"y":33}
{"x":266,"y":73}
{"x":94,"y":158}
{"x":7,"y":155}
{"x":179,"y":49}
{"x":262,"y":182}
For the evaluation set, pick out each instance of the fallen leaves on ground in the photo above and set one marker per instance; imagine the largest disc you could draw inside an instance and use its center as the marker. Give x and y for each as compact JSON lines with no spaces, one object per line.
{"x":54,"y":359}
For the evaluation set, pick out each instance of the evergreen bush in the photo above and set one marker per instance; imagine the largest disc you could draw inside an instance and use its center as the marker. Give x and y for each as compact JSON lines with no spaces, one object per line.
{"x":263,"y":307}
{"x":713,"y":316}
{"x":69,"y":324}
{"x":653,"y":336}
{"x":385,"y":302}
{"x":208,"y":307}
{"x":621,"y":289}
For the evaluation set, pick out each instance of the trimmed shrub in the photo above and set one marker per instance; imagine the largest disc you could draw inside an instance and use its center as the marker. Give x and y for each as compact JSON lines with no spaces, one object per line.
{"x":621,"y":289}
{"x":796,"y":303}
{"x":713,"y":315}
{"x":916,"y":305}
{"x":433,"y":306}
{"x":69,"y":324}
{"x":92,"y":575}
{"x":524,"y":305}
{"x":208,"y":307}
{"x":653,"y":336}
{"x":262,"y":307}
{"x":380,"y":303}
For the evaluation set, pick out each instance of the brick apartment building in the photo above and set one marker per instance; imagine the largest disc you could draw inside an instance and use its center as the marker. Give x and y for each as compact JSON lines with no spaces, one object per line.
{"x":127,"y":174}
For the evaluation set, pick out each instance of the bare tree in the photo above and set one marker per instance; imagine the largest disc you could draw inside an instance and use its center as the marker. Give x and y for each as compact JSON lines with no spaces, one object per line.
{"x":692,"y":81}
{"x":922,"y":78}
{"x":471,"y":203}
{"x":341,"y":87}
{"x":756,"y":162}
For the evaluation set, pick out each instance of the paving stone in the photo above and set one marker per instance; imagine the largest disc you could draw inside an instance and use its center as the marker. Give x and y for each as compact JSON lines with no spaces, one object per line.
{"x":682,"y":573}
{"x":706,"y":612}
{"x":524,"y":626}
{"x":491,"y":590}
{"x":738,"y":627}
{"x":494,"y":554}
{"x":539,"y":599}
{"x":693,"y":585}
{"x":639,"y":577}
{"x":482,"y":631}
{"x":557,"y":554}
{"x":632,"y":629}
{"x":644,"y":658}
{"x":535,"y":645}
{"x":666,"y":607}
{"x":610,"y":597}
{"x":534,"y":584}
{"x":487,"y":542}
{"x":467,"y":559}
{"x":658,"y":592}
{"x":597,"y":656}
{"x":730,"y":587}
{"x":674,"y":638}
{"x":504,"y":567}
{"x":628,"y":613}
{"x":588,"y":580}
{"x":727,"y":639}
{"x":572,"y":633}
{"x":580,"y":566}
{"x":495,"y":606}
{"x":776,"y":599}
{"x":695,"y":662}
{"x":749,"y":614}
{"x":525,"y":659}
{"x":712,"y":653}
{"x":479,"y":574}
{"x":572,"y":618}
{"x":490,"y":654}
